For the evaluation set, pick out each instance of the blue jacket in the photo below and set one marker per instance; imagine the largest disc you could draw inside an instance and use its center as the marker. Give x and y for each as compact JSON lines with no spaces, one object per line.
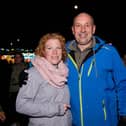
{"x":98,"y":88}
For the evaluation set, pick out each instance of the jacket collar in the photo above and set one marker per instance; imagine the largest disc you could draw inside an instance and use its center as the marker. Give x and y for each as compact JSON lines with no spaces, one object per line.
{"x":97,"y":43}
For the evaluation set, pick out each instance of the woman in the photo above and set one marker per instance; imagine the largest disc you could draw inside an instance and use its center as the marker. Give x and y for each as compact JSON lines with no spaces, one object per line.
{"x":45,"y":97}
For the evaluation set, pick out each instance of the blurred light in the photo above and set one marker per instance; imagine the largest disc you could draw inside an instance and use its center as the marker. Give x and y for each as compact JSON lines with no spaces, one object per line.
{"x":75,"y":7}
{"x":11,"y":43}
{"x":18,"y":40}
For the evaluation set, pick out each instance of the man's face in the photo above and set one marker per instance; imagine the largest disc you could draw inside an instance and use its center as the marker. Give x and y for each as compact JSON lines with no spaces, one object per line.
{"x":83,"y":29}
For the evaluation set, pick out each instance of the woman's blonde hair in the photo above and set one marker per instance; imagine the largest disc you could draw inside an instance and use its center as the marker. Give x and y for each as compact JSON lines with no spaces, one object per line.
{"x":40,"y":49}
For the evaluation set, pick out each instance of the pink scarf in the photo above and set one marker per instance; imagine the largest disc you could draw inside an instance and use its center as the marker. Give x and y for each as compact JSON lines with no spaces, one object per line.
{"x":55,"y":76}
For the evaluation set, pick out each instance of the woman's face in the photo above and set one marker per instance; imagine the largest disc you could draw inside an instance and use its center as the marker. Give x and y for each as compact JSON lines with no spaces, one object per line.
{"x":53,"y":51}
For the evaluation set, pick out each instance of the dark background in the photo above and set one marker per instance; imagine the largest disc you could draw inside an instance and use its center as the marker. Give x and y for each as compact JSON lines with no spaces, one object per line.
{"x":28,"y":20}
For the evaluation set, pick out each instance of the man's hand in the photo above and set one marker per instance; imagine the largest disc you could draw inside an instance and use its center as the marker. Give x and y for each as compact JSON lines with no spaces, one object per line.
{"x":23,"y":78}
{"x":66,"y":107}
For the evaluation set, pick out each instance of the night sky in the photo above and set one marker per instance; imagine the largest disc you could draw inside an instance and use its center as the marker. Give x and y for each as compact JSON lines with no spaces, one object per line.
{"x":28,"y":20}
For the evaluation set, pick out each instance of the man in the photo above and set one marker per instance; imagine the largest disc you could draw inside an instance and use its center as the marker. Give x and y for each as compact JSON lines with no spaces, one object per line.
{"x":97,"y":77}
{"x":19,"y":65}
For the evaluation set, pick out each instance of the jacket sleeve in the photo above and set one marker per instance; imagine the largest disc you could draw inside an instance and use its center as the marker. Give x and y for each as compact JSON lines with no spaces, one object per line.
{"x":119,"y":75}
{"x":25,"y":102}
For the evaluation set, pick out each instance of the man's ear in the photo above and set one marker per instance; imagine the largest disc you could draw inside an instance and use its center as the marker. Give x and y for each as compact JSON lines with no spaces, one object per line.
{"x":72,"y":29}
{"x":94,"y":29}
